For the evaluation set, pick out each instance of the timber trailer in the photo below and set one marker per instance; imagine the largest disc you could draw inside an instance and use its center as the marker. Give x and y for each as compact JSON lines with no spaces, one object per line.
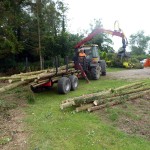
{"x":91,"y":65}
{"x":66,"y":80}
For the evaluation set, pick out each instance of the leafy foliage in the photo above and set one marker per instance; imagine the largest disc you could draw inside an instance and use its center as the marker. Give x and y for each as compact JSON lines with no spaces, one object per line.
{"x":139,"y":43}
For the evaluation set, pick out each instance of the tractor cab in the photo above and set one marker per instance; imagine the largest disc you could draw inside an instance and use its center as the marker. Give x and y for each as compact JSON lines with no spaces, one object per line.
{"x":91,"y":53}
{"x":89,"y":59}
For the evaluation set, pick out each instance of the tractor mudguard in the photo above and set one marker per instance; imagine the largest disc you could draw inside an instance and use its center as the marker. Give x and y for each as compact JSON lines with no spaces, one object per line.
{"x":94,"y":64}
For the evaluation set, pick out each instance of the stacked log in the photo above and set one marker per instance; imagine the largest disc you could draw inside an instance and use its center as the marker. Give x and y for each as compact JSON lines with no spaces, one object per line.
{"x":107,"y":98}
{"x":37,"y":78}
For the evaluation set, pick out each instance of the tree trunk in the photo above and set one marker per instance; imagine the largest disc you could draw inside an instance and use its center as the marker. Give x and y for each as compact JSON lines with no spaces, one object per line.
{"x":38,"y":3}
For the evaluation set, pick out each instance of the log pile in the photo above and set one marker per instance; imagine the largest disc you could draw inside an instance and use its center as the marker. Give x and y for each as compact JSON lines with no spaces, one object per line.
{"x":111,"y":97}
{"x":37,"y":78}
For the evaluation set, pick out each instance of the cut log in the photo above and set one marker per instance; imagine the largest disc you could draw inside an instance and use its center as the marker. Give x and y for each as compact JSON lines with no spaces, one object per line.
{"x":119,"y":96}
{"x":128,"y":86}
{"x":49,"y":75}
{"x":29,"y":73}
{"x":7,"y":78}
{"x":11,"y":86}
{"x":65,"y":105}
{"x":91,"y":97}
{"x":84,"y":98}
{"x":40,"y":83}
{"x":129,"y":97}
{"x":54,"y":79}
{"x":84,"y":107}
{"x":29,"y":78}
{"x":79,"y":100}
{"x":13,"y":80}
{"x":111,"y":97}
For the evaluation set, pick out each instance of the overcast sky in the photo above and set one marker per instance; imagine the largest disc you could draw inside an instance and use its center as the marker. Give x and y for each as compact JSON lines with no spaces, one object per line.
{"x":133,"y":15}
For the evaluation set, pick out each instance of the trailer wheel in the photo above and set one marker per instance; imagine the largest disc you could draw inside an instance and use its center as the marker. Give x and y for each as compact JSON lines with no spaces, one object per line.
{"x":64,"y":85}
{"x":74,"y":82}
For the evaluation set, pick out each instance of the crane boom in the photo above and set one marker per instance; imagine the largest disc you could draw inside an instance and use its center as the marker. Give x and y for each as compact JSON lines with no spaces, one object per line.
{"x":98,"y":31}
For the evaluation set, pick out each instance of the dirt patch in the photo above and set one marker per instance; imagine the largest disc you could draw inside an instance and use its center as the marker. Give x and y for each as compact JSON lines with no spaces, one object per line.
{"x":132,"y":117}
{"x":13,"y":134}
{"x":12,"y":129}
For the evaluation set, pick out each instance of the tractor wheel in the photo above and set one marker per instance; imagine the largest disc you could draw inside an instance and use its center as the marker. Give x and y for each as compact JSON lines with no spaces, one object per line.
{"x":64,"y":85}
{"x":74,"y":82}
{"x":103,"y":67}
{"x":95,"y":72}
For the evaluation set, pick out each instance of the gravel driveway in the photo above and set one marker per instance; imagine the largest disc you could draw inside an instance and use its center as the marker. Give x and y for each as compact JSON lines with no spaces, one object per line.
{"x":130,"y":74}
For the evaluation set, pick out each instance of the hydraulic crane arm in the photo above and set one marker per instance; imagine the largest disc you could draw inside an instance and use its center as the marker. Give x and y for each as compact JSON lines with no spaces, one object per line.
{"x":98,"y":31}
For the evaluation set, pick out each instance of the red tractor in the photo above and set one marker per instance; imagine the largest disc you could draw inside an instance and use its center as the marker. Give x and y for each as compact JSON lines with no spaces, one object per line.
{"x":91,"y":63}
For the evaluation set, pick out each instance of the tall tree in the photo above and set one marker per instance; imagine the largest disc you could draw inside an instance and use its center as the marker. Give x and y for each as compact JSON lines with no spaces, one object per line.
{"x":139,"y":43}
{"x":39,"y":16}
{"x":11,"y":23}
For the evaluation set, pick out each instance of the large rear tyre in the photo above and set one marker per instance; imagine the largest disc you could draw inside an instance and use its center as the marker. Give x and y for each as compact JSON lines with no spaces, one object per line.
{"x":103,"y":67}
{"x":95,"y":72}
{"x":64,"y":85}
{"x":74,"y":82}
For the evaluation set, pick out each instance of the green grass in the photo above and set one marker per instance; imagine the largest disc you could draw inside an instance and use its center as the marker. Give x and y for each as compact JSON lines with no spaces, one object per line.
{"x":115,"y":69}
{"x":53,"y":129}
{"x":5,"y":140}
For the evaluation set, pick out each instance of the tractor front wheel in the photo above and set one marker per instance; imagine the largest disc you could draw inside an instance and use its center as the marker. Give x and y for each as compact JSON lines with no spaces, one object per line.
{"x":95,"y":72}
{"x":103,"y":67}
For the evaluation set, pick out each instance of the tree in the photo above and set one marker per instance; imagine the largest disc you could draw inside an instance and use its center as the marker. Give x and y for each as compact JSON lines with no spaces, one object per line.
{"x":32,"y":29}
{"x":11,"y":23}
{"x":102,"y":40}
{"x":139,"y":43}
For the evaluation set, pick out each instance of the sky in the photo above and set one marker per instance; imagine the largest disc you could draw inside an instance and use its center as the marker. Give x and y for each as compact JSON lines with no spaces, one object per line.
{"x":132,"y":15}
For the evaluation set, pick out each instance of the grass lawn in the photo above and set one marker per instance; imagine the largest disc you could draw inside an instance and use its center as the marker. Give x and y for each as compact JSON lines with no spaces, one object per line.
{"x":53,"y":129}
